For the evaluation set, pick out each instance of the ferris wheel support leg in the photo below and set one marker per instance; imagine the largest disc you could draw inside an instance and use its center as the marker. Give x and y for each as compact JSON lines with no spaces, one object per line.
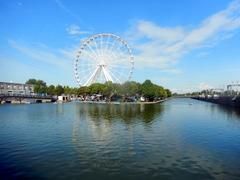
{"x":92,"y":77}
{"x":107,"y":75}
{"x":97,"y":74}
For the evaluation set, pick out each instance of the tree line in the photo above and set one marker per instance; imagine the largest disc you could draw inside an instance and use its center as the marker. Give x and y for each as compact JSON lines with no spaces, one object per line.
{"x":147,"y":89}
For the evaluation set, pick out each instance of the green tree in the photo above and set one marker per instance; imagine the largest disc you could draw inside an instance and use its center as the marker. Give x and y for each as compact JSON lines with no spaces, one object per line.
{"x":169,"y":93}
{"x":31,"y":81}
{"x":148,"y":90}
{"x":130,"y":88}
{"x":84,"y":90}
{"x":40,"y":86}
{"x":59,"y":90}
{"x":161,"y":92}
{"x":67,"y":90}
{"x":97,"y":88}
{"x":109,"y":89}
{"x":51,"y":90}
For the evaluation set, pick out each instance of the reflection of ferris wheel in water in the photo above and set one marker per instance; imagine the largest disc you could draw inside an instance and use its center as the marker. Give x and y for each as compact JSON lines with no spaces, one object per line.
{"x":101,"y":58}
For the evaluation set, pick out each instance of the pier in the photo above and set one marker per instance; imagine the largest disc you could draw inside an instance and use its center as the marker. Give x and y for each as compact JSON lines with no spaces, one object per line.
{"x":233,"y":101}
{"x":228,"y":97}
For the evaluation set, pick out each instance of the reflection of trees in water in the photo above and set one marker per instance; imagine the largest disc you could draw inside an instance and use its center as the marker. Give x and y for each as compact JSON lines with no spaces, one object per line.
{"x":128,"y":113}
{"x":96,"y":132}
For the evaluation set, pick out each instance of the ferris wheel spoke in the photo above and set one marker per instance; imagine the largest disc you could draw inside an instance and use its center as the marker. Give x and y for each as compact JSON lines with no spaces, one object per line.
{"x":117,"y":80}
{"x":106,"y":44}
{"x":88,"y":63}
{"x":118,"y":73}
{"x":93,"y":76}
{"x":101,"y":45}
{"x":121,"y":61}
{"x":89,"y":55}
{"x":121,"y":54}
{"x":119,"y":66}
{"x":86,"y":70}
{"x":98,"y":52}
{"x":110,"y":47}
{"x":113,"y":45}
{"x":118,"y":48}
{"x":113,"y":50}
{"x":117,"y":53}
{"x":96,"y":55}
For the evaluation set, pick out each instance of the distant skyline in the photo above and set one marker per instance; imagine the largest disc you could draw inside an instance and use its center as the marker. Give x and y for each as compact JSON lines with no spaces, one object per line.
{"x":182,"y":45}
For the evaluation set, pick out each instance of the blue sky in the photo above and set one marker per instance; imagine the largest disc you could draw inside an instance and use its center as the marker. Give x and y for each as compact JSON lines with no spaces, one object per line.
{"x":183,"y":45}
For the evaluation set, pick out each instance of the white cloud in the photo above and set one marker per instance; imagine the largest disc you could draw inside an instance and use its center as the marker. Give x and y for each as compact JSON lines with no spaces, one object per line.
{"x":188,"y":88}
{"x":151,"y":31}
{"x":41,"y":53}
{"x":204,"y":86}
{"x":75,"y":30}
{"x":55,"y":65}
{"x":162,"y":47}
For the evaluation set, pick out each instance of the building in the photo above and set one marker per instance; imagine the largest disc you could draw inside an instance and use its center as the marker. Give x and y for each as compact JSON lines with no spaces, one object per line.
{"x":64,"y":98}
{"x":16,"y":88}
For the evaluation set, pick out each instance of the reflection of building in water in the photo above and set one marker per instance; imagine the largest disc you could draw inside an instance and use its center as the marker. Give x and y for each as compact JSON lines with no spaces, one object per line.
{"x":229,"y":112}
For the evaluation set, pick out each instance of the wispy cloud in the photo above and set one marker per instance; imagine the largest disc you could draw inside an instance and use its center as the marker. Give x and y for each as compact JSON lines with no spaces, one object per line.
{"x":162,"y":47}
{"x":204,"y":86}
{"x":66,"y":9}
{"x":41,"y":53}
{"x":75,"y":30}
{"x":188,"y":88}
{"x":58,"y":62}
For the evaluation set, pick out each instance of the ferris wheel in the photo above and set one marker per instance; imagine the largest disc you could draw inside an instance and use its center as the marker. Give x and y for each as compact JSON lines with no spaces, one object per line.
{"x":101,"y":58}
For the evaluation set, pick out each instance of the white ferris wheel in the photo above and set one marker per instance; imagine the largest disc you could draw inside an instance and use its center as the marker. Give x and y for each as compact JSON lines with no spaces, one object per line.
{"x":101,"y":58}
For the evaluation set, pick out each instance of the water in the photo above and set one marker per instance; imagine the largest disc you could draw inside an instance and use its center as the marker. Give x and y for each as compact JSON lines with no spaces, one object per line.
{"x":178,"y":139}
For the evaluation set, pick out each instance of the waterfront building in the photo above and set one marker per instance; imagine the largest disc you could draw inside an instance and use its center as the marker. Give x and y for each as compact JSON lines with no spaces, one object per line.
{"x":63,"y":98}
{"x":16,"y":88}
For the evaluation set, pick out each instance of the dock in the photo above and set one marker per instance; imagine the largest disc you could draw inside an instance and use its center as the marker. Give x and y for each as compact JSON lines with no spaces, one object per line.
{"x":233,"y":101}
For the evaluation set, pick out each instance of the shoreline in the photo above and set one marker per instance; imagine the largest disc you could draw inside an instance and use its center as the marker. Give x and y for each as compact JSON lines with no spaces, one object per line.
{"x":85,"y":102}
{"x":121,"y":103}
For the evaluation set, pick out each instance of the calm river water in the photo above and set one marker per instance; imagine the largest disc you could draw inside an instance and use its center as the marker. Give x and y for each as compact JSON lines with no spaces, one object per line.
{"x":178,"y":139}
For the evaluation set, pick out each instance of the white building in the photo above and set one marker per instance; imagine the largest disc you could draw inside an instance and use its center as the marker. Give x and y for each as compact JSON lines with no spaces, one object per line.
{"x":63,"y":98}
{"x":16,"y":88}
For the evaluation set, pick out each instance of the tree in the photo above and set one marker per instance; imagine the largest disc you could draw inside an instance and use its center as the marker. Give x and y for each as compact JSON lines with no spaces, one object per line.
{"x":109,"y":89}
{"x":40,"y":86}
{"x":160,"y":92}
{"x":148,"y":90}
{"x":51,"y":90}
{"x":169,"y":93}
{"x":67,"y":90}
{"x":75,"y":91}
{"x":31,"y":81}
{"x":97,"y":88}
{"x":130,"y":88}
{"x":153,"y":91}
{"x":84,"y":90}
{"x":59,"y":90}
